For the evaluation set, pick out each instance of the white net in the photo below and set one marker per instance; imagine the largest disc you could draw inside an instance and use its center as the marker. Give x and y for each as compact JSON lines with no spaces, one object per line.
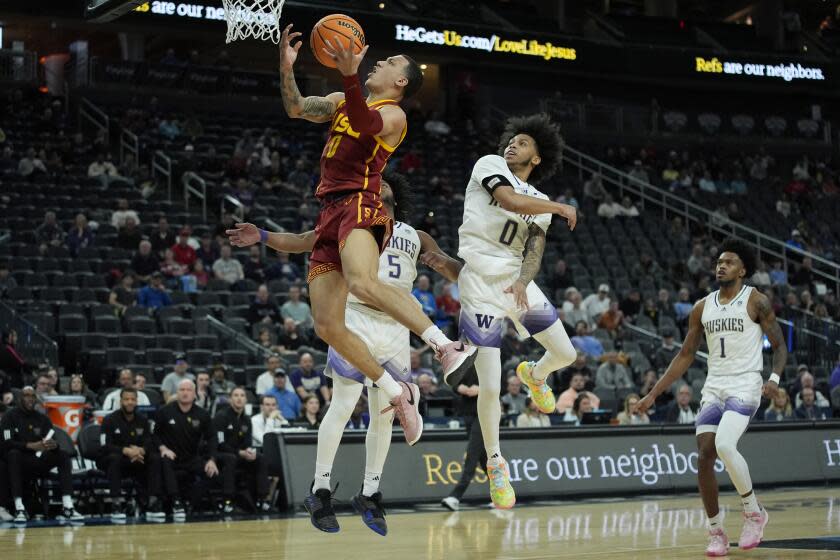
{"x":259,"y":19}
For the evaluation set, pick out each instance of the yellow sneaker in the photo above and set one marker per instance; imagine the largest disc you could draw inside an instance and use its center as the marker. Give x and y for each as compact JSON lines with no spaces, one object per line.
{"x":501,"y":492}
{"x":541,"y":393}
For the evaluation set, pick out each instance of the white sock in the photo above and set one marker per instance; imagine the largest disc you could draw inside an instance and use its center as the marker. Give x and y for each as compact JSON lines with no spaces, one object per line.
{"x":389,"y":386}
{"x":488,"y":366}
{"x":345,"y":396}
{"x":750,"y":503}
{"x":715,"y":522}
{"x":371,"y":485}
{"x":322,"y":477}
{"x":67,"y":502}
{"x":434,"y":337}
{"x":19,"y":503}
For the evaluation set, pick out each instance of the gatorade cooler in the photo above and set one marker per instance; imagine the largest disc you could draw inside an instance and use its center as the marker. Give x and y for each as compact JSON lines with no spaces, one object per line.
{"x":65,"y":412}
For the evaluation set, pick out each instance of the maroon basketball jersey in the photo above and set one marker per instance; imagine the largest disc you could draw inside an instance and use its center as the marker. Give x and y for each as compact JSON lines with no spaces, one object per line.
{"x":351,"y":161}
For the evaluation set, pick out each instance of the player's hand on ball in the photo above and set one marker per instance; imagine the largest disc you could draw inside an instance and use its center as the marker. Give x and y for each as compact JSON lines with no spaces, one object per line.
{"x":570,"y":213}
{"x":770,"y":389}
{"x":643,"y":405}
{"x":346,"y":61}
{"x":243,"y":235}
{"x":518,"y":289}
{"x":288,"y":52}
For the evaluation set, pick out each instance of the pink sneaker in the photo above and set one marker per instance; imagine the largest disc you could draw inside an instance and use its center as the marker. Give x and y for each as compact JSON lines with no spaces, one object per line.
{"x":718,"y":543}
{"x":456,"y":358}
{"x":406,"y":408}
{"x":753,"y":531}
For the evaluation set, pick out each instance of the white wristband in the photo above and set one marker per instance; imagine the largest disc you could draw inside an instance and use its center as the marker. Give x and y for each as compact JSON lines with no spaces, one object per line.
{"x":774,"y":377}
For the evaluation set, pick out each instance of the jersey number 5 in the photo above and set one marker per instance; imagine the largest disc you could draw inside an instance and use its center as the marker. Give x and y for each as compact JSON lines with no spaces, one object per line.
{"x":394,"y":262}
{"x":508,"y":232}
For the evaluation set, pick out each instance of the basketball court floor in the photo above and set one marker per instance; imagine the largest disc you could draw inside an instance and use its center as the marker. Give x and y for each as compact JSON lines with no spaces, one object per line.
{"x":804,"y":523}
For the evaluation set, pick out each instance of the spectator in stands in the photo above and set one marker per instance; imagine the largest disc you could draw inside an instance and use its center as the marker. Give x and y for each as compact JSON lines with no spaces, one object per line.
{"x":236,"y":454}
{"x":796,"y":240}
{"x":49,"y":234}
{"x":204,"y":396}
{"x":183,"y":435}
{"x":6,"y":395}
{"x":804,"y":275}
{"x":778,"y":276}
{"x":219,"y":383}
{"x":122,"y":213}
{"x":582,"y":405}
{"x":706,"y":183}
{"x":154,"y":295}
{"x":228,"y":268}
{"x":783,"y":206}
{"x":145,"y":262}
{"x":129,"y":235}
{"x":631,"y":305}
{"x":300,"y":178}
{"x":307,"y":380}
{"x":162,"y":238}
{"x":127,"y":452}
{"x":269,"y":420}
{"x":169,"y":387}
{"x":288,"y":402}
{"x":780,"y":408}
{"x":169,"y":128}
{"x":806,"y":379}
{"x":809,"y":409}
{"x":207,"y":252}
{"x":124,"y":295}
{"x":296,"y":309}
{"x":7,"y":281}
{"x":423,"y":292}
{"x":761,"y":278}
{"x":183,"y":253}
{"x":30,"y":164}
{"x":172,"y":270}
{"x":613,"y":375}
{"x":12,"y":361}
{"x":834,"y":380}
{"x":513,"y":346}
{"x":290,"y":337}
{"x":79,"y":388}
{"x":30,"y":451}
{"x":513,"y":401}
{"x":531,"y":417}
{"x":263,"y":310}
{"x":611,"y":319}
{"x":416,"y":369}
{"x":265,"y":381}
{"x":609,"y":208}
{"x":225,"y":224}
{"x":664,"y":305}
{"x":697,"y":263}
{"x":125,"y":380}
{"x":44,"y":387}
{"x":562,"y":380}
{"x":103,"y":168}
{"x":647,"y":267}
{"x":561,"y":279}
{"x":568,"y":397}
{"x":574,"y":309}
{"x":448,"y":305}
{"x":628,"y":208}
{"x":254,"y":267}
{"x":638,"y":172}
{"x":310,"y":417}
{"x":594,"y":188}
{"x":586,"y":343}
{"x":284,"y":269}
{"x":665,"y":353}
{"x":80,"y":236}
{"x":568,"y":197}
{"x":683,"y":410}
{"x":627,"y":418}
{"x":435,"y":125}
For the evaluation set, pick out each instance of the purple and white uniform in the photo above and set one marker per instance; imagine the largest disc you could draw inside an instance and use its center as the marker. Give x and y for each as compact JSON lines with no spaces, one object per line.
{"x":387,"y":340}
{"x":735,"y":361}
{"x":492,"y":244}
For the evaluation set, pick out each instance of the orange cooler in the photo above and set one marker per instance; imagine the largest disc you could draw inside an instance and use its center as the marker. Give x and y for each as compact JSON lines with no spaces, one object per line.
{"x":65,"y":412}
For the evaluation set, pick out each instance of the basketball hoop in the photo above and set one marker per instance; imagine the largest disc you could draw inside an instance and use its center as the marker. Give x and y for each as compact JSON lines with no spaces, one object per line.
{"x":259,"y":19}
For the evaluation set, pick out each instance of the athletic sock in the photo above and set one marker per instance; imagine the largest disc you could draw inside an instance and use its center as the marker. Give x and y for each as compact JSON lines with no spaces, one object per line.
{"x":716,"y":522}
{"x":494,"y":457}
{"x":67,"y":502}
{"x":389,"y":386}
{"x":371,"y":484}
{"x":543,"y":367}
{"x":19,"y":503}
{"x":750,"y":503}
{"x":434,"y":337}
{"x":322,"y":477}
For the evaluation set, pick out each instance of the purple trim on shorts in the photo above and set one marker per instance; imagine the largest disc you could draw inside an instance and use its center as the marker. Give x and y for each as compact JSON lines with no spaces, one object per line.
{"x":735,"y":404}
{"x":398,"y":373}
{"x":488,"y":338}
{"x":536,"y":321}
{"x":709,"y":415}
{"x":342,"y":367}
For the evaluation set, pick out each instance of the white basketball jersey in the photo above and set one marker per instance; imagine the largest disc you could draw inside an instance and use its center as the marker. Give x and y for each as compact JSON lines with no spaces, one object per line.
{"x":492,"y":239}
{"x":398,"y":262}
{"x":733,"y":338}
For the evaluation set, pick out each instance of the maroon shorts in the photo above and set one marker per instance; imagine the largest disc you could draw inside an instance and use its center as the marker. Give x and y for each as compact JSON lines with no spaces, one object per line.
{"x":338,"y":217}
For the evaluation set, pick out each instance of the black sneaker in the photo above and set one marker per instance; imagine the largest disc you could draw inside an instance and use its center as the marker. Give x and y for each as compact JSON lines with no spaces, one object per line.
{"x":263,"y":506}
{"x":70,"y":514}
{"x":21,"y":517}
{"x":321,"y":512}
{"x":226,"y":508}
{"x":154,"y":511}
{"x":370,"y":508}
{"x":179,"y":513}
{"x":119,"y":511}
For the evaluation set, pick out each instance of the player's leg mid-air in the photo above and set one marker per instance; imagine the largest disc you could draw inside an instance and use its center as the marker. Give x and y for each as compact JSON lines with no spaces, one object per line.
{"x":734,"y":319}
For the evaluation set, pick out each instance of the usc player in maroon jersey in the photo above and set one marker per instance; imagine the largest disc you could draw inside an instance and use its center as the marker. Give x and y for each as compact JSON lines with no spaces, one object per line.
{"x":353,"y":227}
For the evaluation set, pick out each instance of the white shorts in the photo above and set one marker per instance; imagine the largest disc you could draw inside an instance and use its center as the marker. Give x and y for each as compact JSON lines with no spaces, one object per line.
{"x":722,"y":393}
{"x":485,"y":305}
{"x":386,"y":339}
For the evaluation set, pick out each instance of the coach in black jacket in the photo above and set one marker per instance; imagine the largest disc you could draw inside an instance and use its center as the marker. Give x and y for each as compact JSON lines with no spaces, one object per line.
{"x":29,"y":452}
{"x":181,"y":430}
{"x":233,"y":429}
{"x":127,"y":452}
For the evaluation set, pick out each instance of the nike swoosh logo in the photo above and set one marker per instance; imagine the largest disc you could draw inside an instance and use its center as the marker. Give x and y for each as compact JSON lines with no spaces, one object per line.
{"x":411,"y":394}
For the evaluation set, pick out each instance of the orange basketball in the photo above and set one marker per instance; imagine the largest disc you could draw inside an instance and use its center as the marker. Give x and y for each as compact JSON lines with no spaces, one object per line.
{"x":335,"y":28}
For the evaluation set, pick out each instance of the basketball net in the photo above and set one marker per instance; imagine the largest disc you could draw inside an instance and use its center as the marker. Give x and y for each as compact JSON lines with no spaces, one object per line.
{"x":259,"y":19}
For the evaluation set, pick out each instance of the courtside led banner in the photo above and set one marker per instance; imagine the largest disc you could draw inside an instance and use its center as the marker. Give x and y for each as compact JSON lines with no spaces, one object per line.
{"x":492,"y":43}
{"x":784,"y":71}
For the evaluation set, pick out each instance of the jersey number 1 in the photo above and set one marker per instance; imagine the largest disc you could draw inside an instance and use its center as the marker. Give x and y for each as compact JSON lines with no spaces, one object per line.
{"x":722,"y":347}
{"x":508,"y":232}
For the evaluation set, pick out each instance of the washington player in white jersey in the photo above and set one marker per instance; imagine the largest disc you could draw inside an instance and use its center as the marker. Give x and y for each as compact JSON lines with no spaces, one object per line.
{"x":734,"y":320}
{"x":501,"y":241}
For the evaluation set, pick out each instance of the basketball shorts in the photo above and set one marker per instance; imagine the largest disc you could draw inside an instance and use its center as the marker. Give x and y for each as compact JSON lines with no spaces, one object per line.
{"x":485,"y":305}
{"x":386,"y":339}
{"x":338,"y":217}
{"x":722,"y":393}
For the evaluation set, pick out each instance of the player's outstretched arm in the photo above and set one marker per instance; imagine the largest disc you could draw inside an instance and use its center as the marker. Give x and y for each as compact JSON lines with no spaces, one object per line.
{"x":245,"y":235}
{"x":434,"y":257}
{"x":313,"y":108}
{"x":767,"y":319}
{"x":681,"y":362}
{"x":512,"y":201}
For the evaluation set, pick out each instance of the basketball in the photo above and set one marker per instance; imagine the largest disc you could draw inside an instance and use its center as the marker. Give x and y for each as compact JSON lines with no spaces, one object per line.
{"x":335,"y":28}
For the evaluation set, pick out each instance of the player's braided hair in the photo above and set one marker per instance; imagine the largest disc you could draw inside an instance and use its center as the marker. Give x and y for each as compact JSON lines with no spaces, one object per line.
{"x":402,"y":194}
{"x":547,"y":136}
{"x":744,"y":252}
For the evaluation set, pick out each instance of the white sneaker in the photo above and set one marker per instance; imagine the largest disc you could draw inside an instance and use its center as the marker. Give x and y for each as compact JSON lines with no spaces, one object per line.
{"x":5,"y":515}
{"x":451,"y":503}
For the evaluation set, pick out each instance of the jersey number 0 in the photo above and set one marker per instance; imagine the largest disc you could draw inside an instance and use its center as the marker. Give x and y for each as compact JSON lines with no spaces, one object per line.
{"x":508,"y":232}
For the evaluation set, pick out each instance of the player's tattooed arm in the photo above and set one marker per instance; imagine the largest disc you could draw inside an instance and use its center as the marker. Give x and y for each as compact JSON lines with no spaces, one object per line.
{"x":534,"y":249}
{"x":313,"y":108}
{"x":767,"y":319}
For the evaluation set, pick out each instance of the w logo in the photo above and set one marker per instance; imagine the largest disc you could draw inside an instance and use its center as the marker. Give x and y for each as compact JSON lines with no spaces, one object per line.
{"x":484,"y":321}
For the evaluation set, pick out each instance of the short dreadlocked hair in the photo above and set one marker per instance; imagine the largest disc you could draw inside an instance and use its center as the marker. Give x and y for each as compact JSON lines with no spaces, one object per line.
{"x":547,"y":136}
{"x":402,"y":194}
{"x":744,"y":252}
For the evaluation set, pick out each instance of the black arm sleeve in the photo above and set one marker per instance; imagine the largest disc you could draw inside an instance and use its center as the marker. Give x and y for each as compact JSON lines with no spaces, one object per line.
{"x":493,"y":182}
